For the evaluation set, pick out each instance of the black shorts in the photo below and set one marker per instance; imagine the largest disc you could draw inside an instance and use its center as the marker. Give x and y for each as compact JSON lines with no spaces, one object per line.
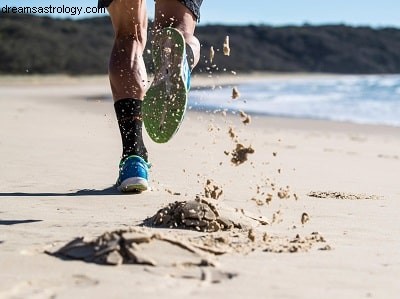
{"x":192,"y":5}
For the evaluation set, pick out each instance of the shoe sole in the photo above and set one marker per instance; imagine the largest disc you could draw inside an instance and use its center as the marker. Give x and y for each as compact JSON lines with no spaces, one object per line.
{"x":165,"y":102}
{"x":135,"y":184}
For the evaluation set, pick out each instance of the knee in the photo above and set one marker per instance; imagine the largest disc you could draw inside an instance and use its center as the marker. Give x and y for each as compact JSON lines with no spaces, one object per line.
{"x":132,"y":33}
{"x":129,"y":20}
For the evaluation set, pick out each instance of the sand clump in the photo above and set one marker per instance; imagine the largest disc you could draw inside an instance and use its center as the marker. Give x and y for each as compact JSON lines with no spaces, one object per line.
{"x":277,"y":217}
{"x":212,"y":54}
{"x":297,"y":244}
{"x":240,"y":153}
{"x":284,"y":193}
{"x":268,"y":190}
{"x":246,"y":119}
{"x":134,"y":246}
{"x":304,"y":218}
{"x":168,"y":255}
{"x":197,"y":214}
{"x":341,"y":195}
{"x":226,"y":48}
{"x":245,"y":242}
{"x":232,"y":133}
{"x":169,"y":250}
{"x":235,"y":93}
{"x":211,"y":190}
{"x":258,"y":218}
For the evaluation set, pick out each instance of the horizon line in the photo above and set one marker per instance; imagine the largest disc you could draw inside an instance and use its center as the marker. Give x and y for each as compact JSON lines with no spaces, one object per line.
{"x":219,"y":23}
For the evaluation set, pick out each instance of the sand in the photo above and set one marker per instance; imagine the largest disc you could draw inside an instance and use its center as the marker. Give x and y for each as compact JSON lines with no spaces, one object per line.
{"x":317,"y":202}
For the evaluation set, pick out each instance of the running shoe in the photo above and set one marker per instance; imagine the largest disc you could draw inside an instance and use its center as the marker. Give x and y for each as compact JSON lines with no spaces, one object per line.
{"x":133,"y":175}
{"x":165,"y":102}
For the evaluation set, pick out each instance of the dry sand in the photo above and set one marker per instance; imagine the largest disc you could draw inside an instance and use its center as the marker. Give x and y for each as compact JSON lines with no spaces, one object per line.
{"x":317,"y":203}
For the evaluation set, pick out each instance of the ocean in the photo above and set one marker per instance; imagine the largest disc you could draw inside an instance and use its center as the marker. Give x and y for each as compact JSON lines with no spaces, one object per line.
{"x":364,"y":99}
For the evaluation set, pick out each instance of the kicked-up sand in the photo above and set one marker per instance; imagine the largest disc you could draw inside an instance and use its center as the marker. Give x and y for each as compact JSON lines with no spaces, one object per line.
{"x":267,"y":208}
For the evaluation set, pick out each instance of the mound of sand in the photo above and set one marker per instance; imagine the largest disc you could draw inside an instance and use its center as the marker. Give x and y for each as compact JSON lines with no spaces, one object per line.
{"x":199,"y":215}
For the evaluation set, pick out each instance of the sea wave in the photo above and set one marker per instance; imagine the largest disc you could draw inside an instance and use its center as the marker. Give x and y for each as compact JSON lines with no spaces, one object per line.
{"x":367,"y":99}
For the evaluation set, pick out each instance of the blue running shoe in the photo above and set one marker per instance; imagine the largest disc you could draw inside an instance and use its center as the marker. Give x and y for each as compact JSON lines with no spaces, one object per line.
{"x":133,"y":175}
{"x":165,"y":102}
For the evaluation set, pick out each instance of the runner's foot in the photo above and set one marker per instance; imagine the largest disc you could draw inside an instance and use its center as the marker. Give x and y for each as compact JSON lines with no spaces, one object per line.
{"x":133,"y":175}
{"x":165,"y":102}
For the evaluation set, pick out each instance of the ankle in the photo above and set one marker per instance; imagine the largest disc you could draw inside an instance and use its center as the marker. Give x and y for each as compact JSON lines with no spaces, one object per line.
{"x":129,"y":116}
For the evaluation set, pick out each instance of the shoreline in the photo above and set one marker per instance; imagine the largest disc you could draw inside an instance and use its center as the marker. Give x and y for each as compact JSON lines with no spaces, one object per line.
{"x":198,"y":80}
{"x":96,"y":88}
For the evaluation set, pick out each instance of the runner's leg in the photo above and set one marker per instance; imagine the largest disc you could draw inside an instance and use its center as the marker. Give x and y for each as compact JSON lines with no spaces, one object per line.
{"x":128,"y":79}
{"x":173,"y":13}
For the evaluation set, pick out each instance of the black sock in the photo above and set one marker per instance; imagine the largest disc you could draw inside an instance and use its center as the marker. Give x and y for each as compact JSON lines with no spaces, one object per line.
{"x":129,"y":115}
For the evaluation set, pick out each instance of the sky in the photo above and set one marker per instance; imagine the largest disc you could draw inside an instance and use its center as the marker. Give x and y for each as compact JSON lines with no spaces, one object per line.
{"x":375,"y":13}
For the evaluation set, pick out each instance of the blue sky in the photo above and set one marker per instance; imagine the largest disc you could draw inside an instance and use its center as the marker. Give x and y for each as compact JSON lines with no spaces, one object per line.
{"x":377,"y":13}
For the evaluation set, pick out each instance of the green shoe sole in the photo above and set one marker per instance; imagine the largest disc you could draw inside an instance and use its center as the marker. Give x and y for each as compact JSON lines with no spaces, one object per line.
{"x":165,"y":102}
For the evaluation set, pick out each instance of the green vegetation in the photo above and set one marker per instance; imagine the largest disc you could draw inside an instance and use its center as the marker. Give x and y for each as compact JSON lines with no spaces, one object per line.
{"x":45,"y":45}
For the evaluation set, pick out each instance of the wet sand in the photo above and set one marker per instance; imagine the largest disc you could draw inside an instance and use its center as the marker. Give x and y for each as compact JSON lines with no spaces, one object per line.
{"x":311,"y":212}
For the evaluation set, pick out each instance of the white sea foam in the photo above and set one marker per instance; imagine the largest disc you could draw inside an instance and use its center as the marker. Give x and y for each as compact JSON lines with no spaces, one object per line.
{"x":372,"y":99}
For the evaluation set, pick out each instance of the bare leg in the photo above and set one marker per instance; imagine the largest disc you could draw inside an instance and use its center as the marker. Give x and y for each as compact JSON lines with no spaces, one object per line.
{"x":172,"y":13}
{"x":127,"y":71}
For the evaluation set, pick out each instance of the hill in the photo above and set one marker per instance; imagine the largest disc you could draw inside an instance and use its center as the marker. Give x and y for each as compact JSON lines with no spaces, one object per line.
{"x":44,"y":45}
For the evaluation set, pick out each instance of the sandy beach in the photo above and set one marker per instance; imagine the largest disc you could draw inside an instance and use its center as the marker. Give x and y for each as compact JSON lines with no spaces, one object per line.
{"x":315,"y":207}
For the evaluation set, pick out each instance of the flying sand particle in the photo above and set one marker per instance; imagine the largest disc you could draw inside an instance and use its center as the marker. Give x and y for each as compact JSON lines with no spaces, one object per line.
{"x":239,"y":154}
{"x":212,"y":53}
{"x":211,"y":190}
{"x":232,"y":133}
{"x":251,"y":235}
{"x":246,"y":119}
{"x":235,"y":93}
{"x":268,"y":199}
{"x":304,"y":218}
{"x":227,"y":50}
